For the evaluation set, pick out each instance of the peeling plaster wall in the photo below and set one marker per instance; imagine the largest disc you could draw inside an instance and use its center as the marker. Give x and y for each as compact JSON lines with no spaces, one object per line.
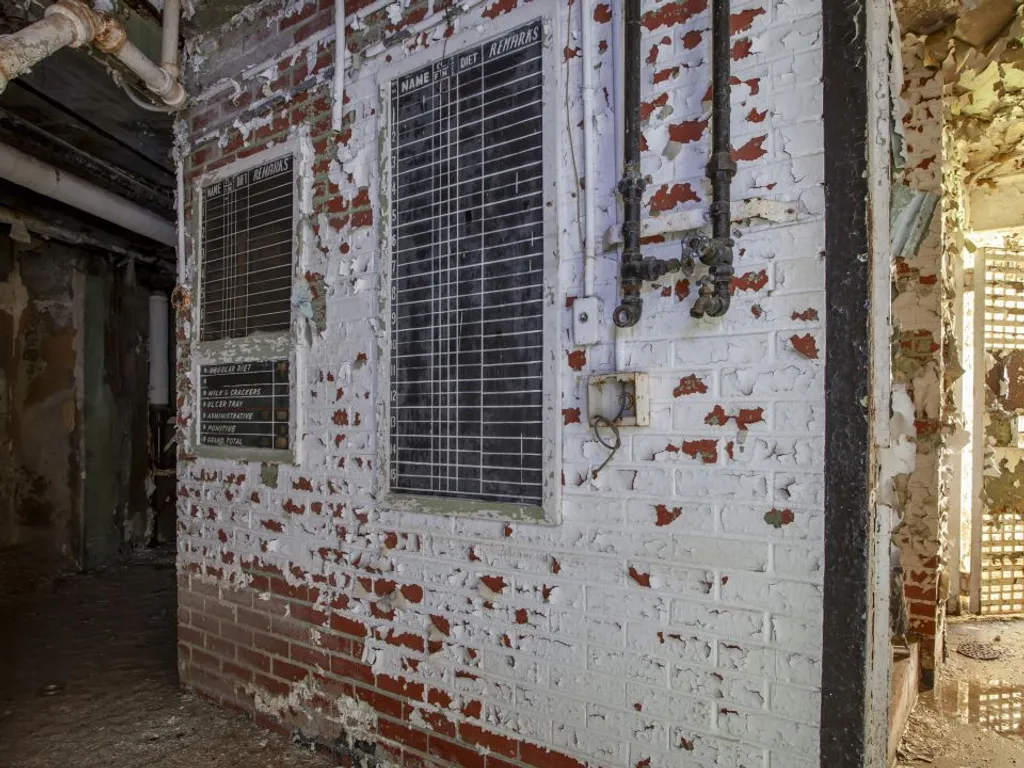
{"x":926,"y":352}
{"x":673,"y":617}
{"x":73,"y":411}
{"x":39,"y":456}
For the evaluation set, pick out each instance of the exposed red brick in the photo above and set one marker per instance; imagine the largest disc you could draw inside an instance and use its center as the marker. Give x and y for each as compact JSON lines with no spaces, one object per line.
{"x":668,"y":197}
{"x":692,"y":39}
{"x":751,"y":150}
{"x":753,"y":116}
{"x":499,"y":7}
{"x":673,"y":14}
{"x":805,"y":345}
{"x":682,"y":289}
{"x":643,"y":579}
{"x":665,"y":74}
{"x":706,"y":450}
{"x":496,"y":584}
{"x":666,"y":516}
{"x":744,"y":20}
{"x":647,"y":108}
{"x":577,"y":359}
{"x":602,"y":13}
{"x":777,"y":518}
{"x":685,"y":132}
{"x":807,"y":315}
{"x":749,"y":281}
{"x":741,"y":49}
{"x":690,"y":385}
{"x":571,"y":416}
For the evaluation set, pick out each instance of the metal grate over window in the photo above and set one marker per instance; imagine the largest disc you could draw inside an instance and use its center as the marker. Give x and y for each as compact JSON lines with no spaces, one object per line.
{"x":467,"y":274}
{"x":248,"y":233}
{"x":1004,"y":299}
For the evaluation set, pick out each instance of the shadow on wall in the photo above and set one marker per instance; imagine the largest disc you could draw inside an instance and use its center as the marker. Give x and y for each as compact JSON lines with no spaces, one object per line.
{"x":73,"y":385}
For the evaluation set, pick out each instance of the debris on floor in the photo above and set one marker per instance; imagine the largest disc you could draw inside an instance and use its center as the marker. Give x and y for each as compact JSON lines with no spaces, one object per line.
{"x":90,"y":679}
{"x":975,"y":716}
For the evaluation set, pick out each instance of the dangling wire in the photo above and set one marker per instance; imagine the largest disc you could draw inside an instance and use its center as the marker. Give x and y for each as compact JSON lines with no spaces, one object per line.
{"x":626,"y":401}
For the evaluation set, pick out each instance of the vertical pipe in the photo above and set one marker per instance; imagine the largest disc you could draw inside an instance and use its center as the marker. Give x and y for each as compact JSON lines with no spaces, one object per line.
{"x":632,"y":185}
{"x":978,"y":430}
{"x":159,"y":372}
{"x":170,"y":31}
{"x":338,"y":107}
{"x":714,"y":297}
{"x":589,"y":149}
{"x":620,"y":140}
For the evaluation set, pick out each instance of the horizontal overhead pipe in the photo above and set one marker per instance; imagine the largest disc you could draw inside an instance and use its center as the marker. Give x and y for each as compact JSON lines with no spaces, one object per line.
{"x":27,"y":171}
{"x":50,"y":231}
{"x":72,"y":23}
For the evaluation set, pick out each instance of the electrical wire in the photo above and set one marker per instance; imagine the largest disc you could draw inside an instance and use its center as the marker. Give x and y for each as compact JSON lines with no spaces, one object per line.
{"x":626,"y":401}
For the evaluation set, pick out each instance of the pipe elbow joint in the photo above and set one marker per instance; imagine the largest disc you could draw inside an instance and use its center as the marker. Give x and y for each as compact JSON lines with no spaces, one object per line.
{"x":629,"y":312}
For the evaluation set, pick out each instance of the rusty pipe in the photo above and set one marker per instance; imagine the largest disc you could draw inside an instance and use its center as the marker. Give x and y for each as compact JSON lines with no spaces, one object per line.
{"x":113,"y":40}
{"x":68,"y":24}
{"x":72,"y":23}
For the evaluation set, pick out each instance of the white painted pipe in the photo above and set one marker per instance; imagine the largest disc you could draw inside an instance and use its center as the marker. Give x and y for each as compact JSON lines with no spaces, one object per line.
{"x":66,"y":24}
{"x":159,"y":338}
{"x":179,"y":204}
{"x":50,"y":231}
{"x":112,"y":39}
{"x":589,"y":150}
{"x":338,"y":108}
{"x":73,"y":23}
{"x":169,"y":41}
{"x":27,"y":171}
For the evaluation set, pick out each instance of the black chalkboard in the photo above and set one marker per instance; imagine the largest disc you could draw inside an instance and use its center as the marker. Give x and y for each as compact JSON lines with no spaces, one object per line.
{"x":248,"y":240}
{"x":467,"y":273}
{"x":245,"y":405}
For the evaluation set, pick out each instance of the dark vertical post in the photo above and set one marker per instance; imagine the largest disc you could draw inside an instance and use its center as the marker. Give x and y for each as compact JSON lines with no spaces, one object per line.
{"x":632,"y":186}
{"x":849,"y":517}
{"x":714,"y":296}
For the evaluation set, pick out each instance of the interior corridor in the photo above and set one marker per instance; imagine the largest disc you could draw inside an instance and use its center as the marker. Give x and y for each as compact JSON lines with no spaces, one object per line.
{"x":90,"y":680}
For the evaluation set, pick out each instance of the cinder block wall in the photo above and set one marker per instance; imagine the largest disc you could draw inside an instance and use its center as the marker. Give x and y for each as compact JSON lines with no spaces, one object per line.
{"x":673,"y":616}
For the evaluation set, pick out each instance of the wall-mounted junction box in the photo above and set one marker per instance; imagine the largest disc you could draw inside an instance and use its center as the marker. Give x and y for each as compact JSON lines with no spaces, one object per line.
{"x":622,"y":398}
{"x":587,"y":319}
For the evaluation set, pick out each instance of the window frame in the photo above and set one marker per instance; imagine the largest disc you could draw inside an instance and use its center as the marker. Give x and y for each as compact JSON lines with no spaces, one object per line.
{"x":548,"y":512}
{"x":262,"y":345}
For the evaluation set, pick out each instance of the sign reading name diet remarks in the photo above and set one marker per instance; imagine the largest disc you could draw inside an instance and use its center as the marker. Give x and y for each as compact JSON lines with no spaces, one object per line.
{"x":245,"y":405}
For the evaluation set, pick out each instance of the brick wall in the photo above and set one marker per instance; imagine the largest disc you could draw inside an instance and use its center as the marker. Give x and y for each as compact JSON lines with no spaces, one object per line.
{"x":922,"y":325}
{"x":673,"y":617}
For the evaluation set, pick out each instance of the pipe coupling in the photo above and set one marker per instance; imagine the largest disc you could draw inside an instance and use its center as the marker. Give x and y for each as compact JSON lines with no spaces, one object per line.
{"x":84,"y":20}
{"x":111,"y":35}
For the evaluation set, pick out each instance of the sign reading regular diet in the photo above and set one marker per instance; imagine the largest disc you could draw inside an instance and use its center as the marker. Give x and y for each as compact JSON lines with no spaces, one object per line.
{"x":245,"y":405}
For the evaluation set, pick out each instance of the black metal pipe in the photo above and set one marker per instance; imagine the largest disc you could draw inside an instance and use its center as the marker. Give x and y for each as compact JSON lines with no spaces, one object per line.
{"x":632,"y":185}
{"x":714,"y":297}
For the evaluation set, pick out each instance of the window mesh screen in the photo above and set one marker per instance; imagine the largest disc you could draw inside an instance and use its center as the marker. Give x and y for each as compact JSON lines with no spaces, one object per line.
{"x":467,"y":274}
{"x":248,"y":233}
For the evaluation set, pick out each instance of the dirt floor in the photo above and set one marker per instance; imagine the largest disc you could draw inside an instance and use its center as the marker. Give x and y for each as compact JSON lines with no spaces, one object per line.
{"x":88,"y":678}
{"x":975,"y":716}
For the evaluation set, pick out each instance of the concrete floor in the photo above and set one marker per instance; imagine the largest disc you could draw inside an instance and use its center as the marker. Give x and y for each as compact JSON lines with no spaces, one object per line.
{"x":106,"y":642}
{"x":975,"y":716}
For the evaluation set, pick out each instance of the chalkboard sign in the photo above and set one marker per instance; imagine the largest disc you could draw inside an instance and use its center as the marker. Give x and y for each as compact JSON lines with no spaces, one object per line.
{"x":248,"y":240}
{"x":467,"y":273}
{"x":245,"y":405}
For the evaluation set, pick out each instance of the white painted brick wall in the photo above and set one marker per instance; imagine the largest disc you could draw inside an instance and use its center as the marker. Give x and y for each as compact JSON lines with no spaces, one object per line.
{"x":668,"y":617}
